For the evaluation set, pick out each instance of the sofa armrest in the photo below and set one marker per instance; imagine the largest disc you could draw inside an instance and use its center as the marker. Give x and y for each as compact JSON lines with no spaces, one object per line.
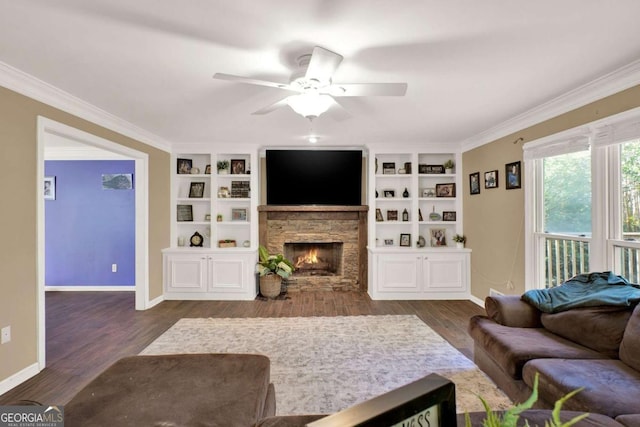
{"x":510,"y":310}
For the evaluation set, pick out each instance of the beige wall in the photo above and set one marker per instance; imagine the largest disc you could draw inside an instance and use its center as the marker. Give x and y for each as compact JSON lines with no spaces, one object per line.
{"x":493,"y":219}
{"x":18,"y":282}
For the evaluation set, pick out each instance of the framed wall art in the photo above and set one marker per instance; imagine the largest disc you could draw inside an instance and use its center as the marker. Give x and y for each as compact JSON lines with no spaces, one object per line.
{"x":491,"y":179}
{"x":405,"y":240}
{"x":49,"y":187}
{"x":474,"y":183}
{"x":514,"y":175}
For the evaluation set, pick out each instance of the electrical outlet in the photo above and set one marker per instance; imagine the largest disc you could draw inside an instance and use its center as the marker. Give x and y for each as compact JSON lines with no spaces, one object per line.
{"x":5,"y":335}
{"x":114,"y":268}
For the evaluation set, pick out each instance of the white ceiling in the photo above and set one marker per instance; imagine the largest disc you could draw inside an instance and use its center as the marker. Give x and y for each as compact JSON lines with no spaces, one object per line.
{"x":470,"y":65}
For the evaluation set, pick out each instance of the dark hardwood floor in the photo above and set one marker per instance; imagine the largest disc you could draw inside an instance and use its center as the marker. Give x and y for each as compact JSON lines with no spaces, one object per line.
{"x":88,"y":331}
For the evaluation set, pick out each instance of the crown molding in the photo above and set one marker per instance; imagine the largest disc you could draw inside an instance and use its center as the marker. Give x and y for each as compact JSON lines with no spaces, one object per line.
{"x":609,"y":84}
{"x":27,"y":85}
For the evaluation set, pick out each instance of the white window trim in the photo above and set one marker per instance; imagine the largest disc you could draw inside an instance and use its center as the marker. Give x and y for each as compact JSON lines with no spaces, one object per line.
{"x":603,"y":136}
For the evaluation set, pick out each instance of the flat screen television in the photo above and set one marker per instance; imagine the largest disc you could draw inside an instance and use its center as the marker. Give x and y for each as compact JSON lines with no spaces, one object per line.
{"x":314,"y":177}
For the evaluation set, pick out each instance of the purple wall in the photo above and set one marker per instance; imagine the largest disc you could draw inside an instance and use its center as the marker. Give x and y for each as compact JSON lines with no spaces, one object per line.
{"x":87,"y":228}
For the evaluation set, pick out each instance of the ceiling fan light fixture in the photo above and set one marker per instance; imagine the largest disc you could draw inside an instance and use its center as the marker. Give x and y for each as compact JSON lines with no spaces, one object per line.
{"x":309,"y":105}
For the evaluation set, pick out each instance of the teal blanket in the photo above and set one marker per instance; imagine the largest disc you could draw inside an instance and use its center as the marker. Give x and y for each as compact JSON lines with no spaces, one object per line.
{"x":585,"y":290}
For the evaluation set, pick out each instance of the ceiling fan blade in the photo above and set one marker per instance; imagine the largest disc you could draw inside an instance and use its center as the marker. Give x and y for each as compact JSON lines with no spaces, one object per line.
{"x":322,"y":65}
{"x":368,"y":89}
{"x":272,"y":107}
{"x":338,"y":112}
{"x":239,"y":79}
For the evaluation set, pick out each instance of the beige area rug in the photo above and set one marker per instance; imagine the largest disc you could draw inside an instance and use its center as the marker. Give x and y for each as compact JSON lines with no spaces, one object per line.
{"x":324,"y":364}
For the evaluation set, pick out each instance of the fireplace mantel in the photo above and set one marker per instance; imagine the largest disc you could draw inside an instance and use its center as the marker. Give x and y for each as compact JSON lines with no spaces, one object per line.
{"x":283,"y":224}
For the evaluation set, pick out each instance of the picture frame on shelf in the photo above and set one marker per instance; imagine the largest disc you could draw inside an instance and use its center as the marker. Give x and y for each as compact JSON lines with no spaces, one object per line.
{"x":184,"y":213}
{"x":184,"y":166}
{"x":446,"y":190}
{"x":238,"y":214}
{"x":49,"y":187}
{"x":405,"y":239}
{"x":491,"y":179}
{"x":407,"y":168}
{"x":438,"y":237}
{"x":207,"y":170}
{"x":514,"y":176}
{"x":388,"y":168}
{"x":238,"y":167}
{"x":474,"y":183}
{"x":448,"y":215}
{"x":379,"y":217}
{"x":420,"y":215}
{"x":196,"y":190}
{"x":388,"y":242}
{"x":392,"y":215}
{"x":389,"y":193}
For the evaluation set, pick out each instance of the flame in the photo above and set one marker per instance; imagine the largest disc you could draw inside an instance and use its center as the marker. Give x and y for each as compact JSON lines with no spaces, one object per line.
{"x":310,"y":257}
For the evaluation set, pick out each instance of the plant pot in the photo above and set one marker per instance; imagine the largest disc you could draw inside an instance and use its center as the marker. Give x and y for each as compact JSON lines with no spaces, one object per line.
{"x":223,"y":171}
{"x":270,"y":285}
{"x":448,"y":170}
{"x":459,"y":245}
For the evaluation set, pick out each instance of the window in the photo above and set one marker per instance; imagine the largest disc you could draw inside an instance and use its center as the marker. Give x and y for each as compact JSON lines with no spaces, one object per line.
{"x":566,"y":225}
{"x":582,"y":192}
{"x":626,"y":236}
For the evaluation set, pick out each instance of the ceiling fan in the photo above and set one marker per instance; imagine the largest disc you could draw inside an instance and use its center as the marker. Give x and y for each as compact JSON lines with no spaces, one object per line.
{"x":313,"y":86}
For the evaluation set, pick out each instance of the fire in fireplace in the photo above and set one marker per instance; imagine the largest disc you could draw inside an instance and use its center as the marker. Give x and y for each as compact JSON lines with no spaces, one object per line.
{"x":315,"y":258}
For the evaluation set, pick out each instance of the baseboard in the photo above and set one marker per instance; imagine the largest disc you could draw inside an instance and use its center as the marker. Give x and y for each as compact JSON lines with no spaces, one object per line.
{"x":155,"y":302}
{"x":91,"y":288}
{"x":477,"y":301}
{"x":18,"y":378}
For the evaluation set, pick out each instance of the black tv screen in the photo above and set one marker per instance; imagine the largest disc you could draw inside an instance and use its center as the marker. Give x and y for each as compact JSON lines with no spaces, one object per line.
{"x":314,"y":177}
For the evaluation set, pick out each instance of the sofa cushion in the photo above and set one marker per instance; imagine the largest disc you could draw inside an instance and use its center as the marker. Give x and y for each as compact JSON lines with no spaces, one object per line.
{"x":510,"y":310}
{"x":610,"y":387}
{"x":630,"y":345}
{"x":511,"y":347}
{"x":632,"y":420}
{"x":171,"y":390}
{"x":599,"y":328}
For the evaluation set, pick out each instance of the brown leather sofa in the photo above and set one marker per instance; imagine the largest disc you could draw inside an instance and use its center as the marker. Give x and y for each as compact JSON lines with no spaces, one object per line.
{"x":597,"y":348}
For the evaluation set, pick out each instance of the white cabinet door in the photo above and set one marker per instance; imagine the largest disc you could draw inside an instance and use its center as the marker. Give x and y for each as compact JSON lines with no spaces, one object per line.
{"x":228,"y":274}
{"x":444,"y":273}
{"x":397,"y":273}
{"x":186,"y":273}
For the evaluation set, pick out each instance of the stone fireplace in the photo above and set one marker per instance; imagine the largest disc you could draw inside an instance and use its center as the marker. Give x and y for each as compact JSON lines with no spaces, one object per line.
{"x":328,"y":244}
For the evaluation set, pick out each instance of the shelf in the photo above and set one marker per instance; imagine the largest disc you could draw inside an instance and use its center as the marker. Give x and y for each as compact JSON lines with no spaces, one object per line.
{"x":437,"y":199}
{"x":436,"y":175}
{"x":394,"y":222}
{"x":234,"y":176}
{"x":393,"y":175}
{"x":233,"y":199}
{"x":393,"y":199}
{"x":437,"y":222}
{"x":193,"y":222}
{"x":193,"y":175}
{"x":193,"y":199}
{"x":233,"y":223}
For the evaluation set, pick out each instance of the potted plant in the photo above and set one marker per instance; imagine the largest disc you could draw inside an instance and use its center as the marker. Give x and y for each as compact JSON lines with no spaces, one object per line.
{"x":448,"y":166}
{"x":272,"y":269}
{"x":509,"y":418}
{"x":223,"y":166}
{"x":460,"y":240}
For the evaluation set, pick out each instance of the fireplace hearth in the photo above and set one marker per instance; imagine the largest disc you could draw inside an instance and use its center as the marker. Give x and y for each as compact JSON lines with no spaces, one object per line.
{"x":328,"y":244}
